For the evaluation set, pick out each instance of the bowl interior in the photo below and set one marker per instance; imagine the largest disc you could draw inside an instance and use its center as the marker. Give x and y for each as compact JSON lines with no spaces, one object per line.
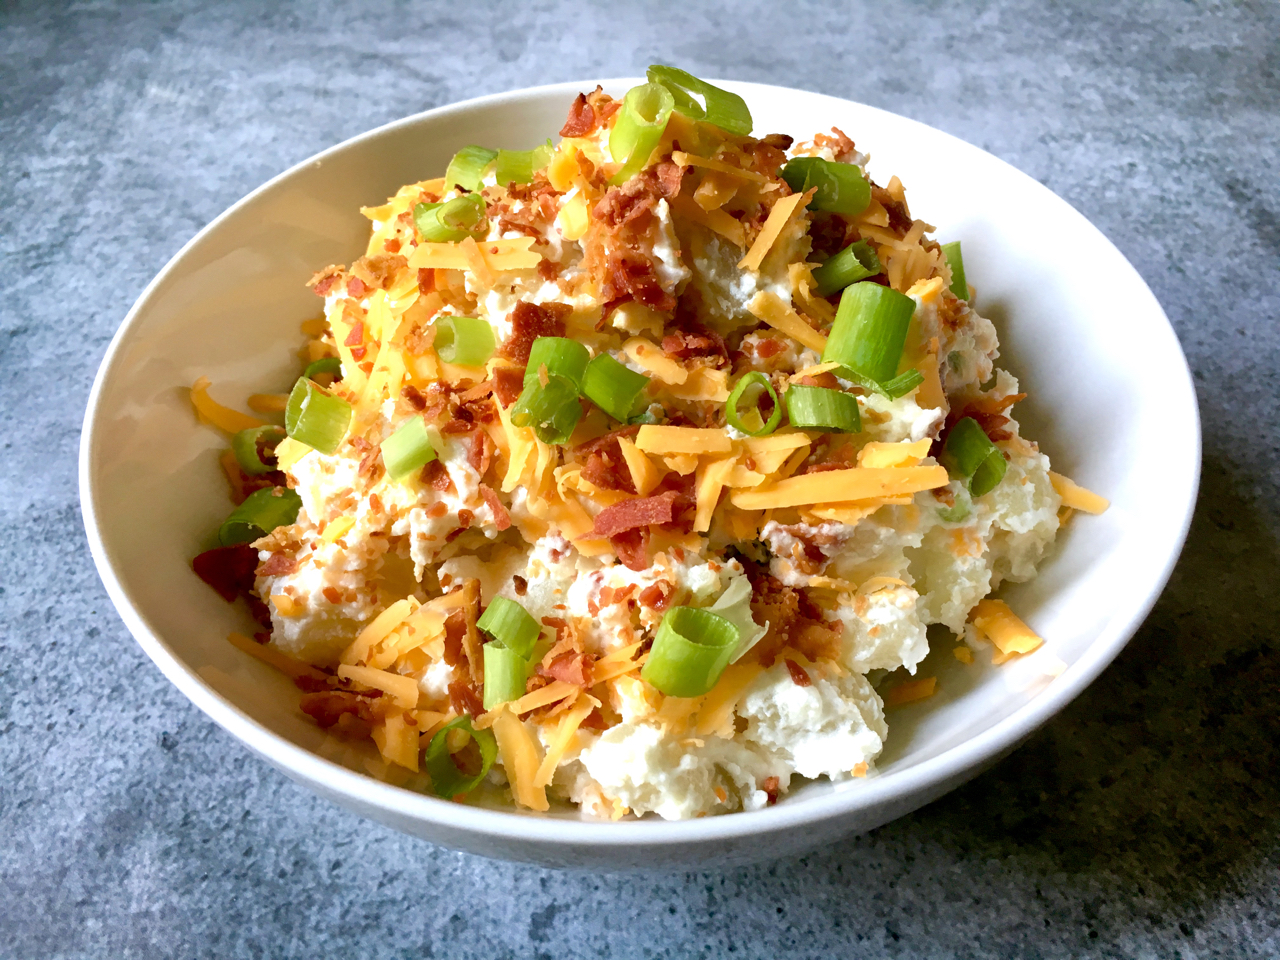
{"x":1111,"y":402}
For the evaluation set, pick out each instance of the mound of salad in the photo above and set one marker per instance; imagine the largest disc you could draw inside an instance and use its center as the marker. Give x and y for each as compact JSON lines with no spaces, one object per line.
{"x":630,"y":471}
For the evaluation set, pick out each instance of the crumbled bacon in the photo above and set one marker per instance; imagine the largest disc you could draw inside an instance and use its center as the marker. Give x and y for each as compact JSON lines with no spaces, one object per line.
{"x":507,"y":384}
{"x":229,"y":570}
{"x":606,"y":442}
{"x":529,"y":321}
{"x":780,"y":141}
{"x":639,"y":196}
{"x":798,"y":675}
{"x":455,"y":632}
{"x":426,"y":280}
{"x":278,"y":565}
{"x":636,"y":512}
{"x":606,"y":467}
{"x":794,"y":619}
{"x":464,"y":519}
{"x":501,"y":518}
{"x":392,"y":245}
{"x":987,"y":411}
{"x":548,"y":269}
{"x":899,"y":216}
{"x":326,"y":279}
{"x":414,"y":396}
{"x":327,"y":707}
{"x":657,"y":596}
{"x":464,"y":700}
{"x":697,"y":341}
{"x":581,"y":120}
{"x":479,"y":452}
{"x":356,"y":336}
{"x":772,"y":788}
{"x":457,"y":426}
{"x":594,"y":721}
{"x":520,"y":585}
{"x":435,"y":474}
{"x":838,"y":142}
{"x":356,"y":287}
{"x":629,"y":274}
{"x":573,"y":667}
{"x":382,"y":268}
{"x":632,"y":548}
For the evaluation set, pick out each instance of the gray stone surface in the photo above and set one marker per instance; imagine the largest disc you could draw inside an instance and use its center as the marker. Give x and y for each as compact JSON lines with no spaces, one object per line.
{"x":1142,"y":822}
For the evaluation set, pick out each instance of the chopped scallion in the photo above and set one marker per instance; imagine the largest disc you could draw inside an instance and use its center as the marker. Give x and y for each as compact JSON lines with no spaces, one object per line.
{"x":690,"y":651}
{"x":638,"y":128}
{"x":250,"y":445}
{"x":466,"y":341}
{"x":841,"y":186}
{"x":407,"y":450}
{"x":969,"y":453}
{"x":613,"y":387}
{"x":315,"y":417}
{"x":855,"y":262}
{"x":511,"y":625}
{"x":467,"y":168}
{"x":551,"y":409}
{"x":726,"y":110}
{"x":505,"y":674}
{"x":262,"y":511}
{"x":452,"y":221}
{"x":518,"y":166}
{"x":869,"y":331}
{"x":821,"y":408}
{"x":749,"y":390}
{"x":560,"y":356}
{"x":955,"y":260}
{"x":329,"y":365}
{"x":447,"y":778}
{"x":892,"y":388}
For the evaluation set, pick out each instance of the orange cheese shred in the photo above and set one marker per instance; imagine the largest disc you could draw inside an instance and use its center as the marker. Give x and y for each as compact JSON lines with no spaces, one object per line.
{"x":995,"y":621}
{"x":781,"y":214}
{"x":1077,"y":497}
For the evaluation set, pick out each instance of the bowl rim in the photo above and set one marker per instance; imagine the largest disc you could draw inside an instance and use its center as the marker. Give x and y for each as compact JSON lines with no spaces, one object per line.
{"x":948,"y":767}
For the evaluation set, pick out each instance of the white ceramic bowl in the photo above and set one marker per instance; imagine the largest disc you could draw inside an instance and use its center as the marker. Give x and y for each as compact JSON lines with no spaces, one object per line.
{"x":1111,"y":402}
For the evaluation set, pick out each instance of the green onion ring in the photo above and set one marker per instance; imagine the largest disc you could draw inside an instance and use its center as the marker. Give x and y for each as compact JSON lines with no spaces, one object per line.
{"x":262,"y":511}
{"x":247,"y":443}
{"x":447,"y":780}
{"x":758,"y":383}
{"x":690,"y":651}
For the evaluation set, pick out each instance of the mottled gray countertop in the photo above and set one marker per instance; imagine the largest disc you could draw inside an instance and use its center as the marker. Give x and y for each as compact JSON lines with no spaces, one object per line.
{"x":1144,"y":821}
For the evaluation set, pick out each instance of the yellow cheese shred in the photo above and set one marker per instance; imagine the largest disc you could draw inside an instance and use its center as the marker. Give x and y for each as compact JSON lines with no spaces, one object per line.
{"x":715,"y":717}
{"x":397,"y":741}
{"x":779,"y":216}
{"x":645,"y":475}
{"x":335,"y":529}
{"x":561,"y":739}
{"x":911,"y":691}
{"x":513,"y":254}
{"x":904,"y":454}
{"x":519,"y":755}
{"x":835,"y":486}
{"x":715,"y":220}
{"x":403,"y":690}
{"x":378,"y":628}
{"x":1077,"y":497}
{"x":650,"y":356}
{"x":995,"y":621}
{"x":289,"y":666}
{"x":769,"y":308}
{"x":210,"y":411}
{"x":689,"y":160}
{"x":710,"y":485}
{"x":654,"y":438}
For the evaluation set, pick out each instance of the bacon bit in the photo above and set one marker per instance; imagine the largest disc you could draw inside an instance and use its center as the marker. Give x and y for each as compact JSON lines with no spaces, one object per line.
{"x":825,"y":379}
{"x":529,"y":321}
{"x":581,"y":120}
{"x":987,"y":411}
{"x":478,"y":392}
{"x":548,"y":269}
{"x":657,"y":596}
{"x":637,"y":512}
{"x":414,"y":397}
{"x":357,"y":353}
{"x":607,"y":468}
{"x":632,"y":548}
{"x":392,"y":245}
{"x":455,"y":632}
{"x":457,"y":426}
{"x":501,"y":518}
{"x":573,"y":667}
{"x":944,"y":496}
{"x":435,"y":474}
{"x":794,"y":619}
{"x":698,"y":341}
{"x":631,"y":275}
{"x":325,"y":280}
{"x":798,"y":675}
{"x":480,"y":452}
{"x":332,"y":594}
{"x":327,"y":707}
{"x":229,"y":570}
{"x":838,"y":142}
{"x":382,"y":268}
{"x":464,"y":700}
{"x":464,"y":519}
{"x":507,"y":384}
{"x":593,"y":721}
{"x":633,"y":201}
{"x":356,"y":287}
{"x":436,"y":400}
{"x":426,"y":280}
{"x":520,"y":584}
{"x":371,"y":466}
{"x":278,"y":564}
{"x":771,"y":786}
{"x":606,"y":442}
{"x":899,"y":216}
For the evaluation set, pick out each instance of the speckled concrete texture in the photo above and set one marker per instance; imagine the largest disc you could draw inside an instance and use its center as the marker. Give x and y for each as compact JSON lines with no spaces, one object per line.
{"x":1142,"y":822}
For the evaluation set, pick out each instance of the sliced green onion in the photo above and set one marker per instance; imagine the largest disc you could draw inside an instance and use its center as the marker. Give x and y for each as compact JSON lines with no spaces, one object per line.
{"x":969,"y":453}
{"x":750,"y":388}
{"x":821,"y":408}
{"x":955,"y":260}
{"x":407,"y":450}
{"x":467,"y":168}
{"x":551,"y":408}
{"x":892,"y":388}
{"x":855,"y":262}
{"x":690,"y":651}
{"x":511,"y":625}
{"x":613,"y":387}
{"x":447,"y":780}
{"x":726,"y":110}
{"x":841,"y":186}
{"x":638,"y":128}
{"x":518,"y":166}
{"x":249,"y":445}
{"x":262,"y":511}
{"x":316,"y":418}
{"x":451,"y":221}
{"x":958,"y":513}
{"x":561,"y":356}
{"x":870,"y":330}
{"x":466,"y":341}
{"x":505,"y":674}
{"x":330,"y":365}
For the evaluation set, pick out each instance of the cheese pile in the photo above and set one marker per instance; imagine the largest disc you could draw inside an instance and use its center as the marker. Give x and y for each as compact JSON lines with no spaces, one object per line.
{"x":833,"y":552}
